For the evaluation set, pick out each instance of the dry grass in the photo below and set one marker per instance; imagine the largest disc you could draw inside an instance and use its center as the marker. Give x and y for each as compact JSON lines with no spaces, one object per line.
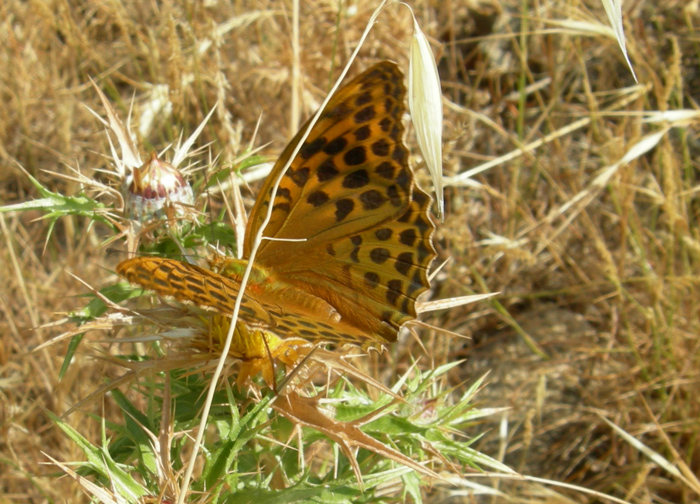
{"x":606,"y":288}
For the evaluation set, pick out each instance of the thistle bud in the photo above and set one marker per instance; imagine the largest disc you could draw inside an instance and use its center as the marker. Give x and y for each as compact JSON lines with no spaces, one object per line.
{"x":156,"y":190}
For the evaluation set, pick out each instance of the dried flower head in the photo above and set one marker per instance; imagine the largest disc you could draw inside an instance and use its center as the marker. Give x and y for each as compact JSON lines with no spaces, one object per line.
{"x":156,"y":190}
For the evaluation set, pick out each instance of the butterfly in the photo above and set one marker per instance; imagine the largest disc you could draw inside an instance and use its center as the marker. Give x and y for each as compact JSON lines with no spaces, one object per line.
{"x":350,"y":231}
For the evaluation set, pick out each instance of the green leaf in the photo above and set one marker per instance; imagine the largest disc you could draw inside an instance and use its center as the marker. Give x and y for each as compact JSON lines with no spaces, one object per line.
{"x":56,"y":205}
{"x":218,"y":233}
{"x":224,"y":175}
{"x":412,"y":486}
{"x":96,"y":307}
{"x":72,"y":347}
{"x":101,"y":461}
{"x":333,"y":495}
{"x":394,"y":426}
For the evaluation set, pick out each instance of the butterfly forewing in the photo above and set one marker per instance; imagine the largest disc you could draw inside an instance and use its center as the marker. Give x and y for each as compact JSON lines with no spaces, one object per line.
{"x":351,"y":173}
{"x":191,"y":284}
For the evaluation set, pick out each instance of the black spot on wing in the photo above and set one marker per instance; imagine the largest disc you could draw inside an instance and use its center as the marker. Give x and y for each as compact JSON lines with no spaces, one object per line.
{"x":365,"y":114}
{"x":372,"y":199}
{"x":343,"y":207}
{"x":383,"y":234}
{"x":385,"y":170}
{"x":327,"y":171}
{"x":335,"y":146}
{"x":310,"y":148}
{"x":356,"y":179}
{"x":403,"y":179}
{"x":371,"y":279}
{"x":386,"y":124}
{"x":380,"y":148}
{"x":282,"y":206}
{"x":394,"y":291}
{"x":363,"y":99}
{"x":404,"y":263}
{"x":394,"y":195}
{"x":408,"y":237}
{"x":355,"y":156}
{"x":399,"y":155}
{"x":300,"y":176}
{"x":317,"y":198}
{"x":363,"y":133}
{"x":379,"y":255}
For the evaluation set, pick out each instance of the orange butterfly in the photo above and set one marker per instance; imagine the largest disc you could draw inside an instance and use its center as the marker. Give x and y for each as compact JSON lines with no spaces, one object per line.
{"x":367,"y":234}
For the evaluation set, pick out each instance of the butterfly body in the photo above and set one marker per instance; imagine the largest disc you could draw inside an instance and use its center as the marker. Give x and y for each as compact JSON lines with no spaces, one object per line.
{"x":351,"y":231}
